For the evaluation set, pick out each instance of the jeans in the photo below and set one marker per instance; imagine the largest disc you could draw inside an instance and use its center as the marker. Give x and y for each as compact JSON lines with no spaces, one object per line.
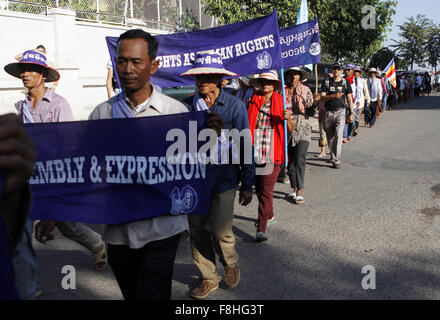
{"x":384,"y":102}
{"x":145,"y":273}
{"x":349,"y":127}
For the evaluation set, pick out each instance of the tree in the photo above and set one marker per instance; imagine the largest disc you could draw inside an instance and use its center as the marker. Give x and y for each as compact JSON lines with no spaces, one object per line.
{"x":341,"y":31}
{"x":433,"y":46}
{"x":412,"y":44}
{"x":382,"y":57}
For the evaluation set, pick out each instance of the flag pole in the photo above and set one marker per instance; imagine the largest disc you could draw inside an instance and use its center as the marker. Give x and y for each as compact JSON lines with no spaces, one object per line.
{"x":285,"y":121}
{"x":316,"y":78}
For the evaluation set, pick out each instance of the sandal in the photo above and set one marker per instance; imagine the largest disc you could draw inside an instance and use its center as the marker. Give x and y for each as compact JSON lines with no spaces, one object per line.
{"x":291,"y":196}
{"x":299,"y":199}
{"x":100,"y":259}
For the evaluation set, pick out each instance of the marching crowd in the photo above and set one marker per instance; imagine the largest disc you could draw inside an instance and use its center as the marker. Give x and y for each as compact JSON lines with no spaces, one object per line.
{"x":142,"y":253}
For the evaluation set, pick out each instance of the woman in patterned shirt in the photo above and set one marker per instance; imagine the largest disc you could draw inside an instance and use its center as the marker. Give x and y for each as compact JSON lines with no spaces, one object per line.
{"x":299,"y":98}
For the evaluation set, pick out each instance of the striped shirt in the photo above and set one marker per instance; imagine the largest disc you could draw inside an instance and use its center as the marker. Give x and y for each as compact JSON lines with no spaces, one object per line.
{"x":51,"y":108}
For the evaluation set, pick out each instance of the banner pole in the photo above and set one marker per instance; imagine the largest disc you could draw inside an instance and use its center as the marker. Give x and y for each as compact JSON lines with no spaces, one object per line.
{"x":316,"y":78}
{"x":285,"y":122}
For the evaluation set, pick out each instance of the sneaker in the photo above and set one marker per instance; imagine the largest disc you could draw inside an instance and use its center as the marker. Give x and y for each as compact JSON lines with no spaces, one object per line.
{"x":204,"y":289}
{"x":261,"y":237}
{"x":232,"y":276}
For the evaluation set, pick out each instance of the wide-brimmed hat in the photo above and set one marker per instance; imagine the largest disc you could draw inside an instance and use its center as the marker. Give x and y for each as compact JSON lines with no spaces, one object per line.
{"x":271,"y":75}
{"x":349,"y":66}
{"x":297,"y":70}
{"x":357,"y":68}
{"x":337,"y":65}
{"x":371,"y":70}
{"x":32,"y":57}
{"x":208,"y":63}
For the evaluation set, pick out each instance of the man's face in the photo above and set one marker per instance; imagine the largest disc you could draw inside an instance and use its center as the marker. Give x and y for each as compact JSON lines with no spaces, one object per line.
{"x":373,"y":75}
{"x":206,"y":83}
{"x":31,"y":75}
{"x":349,"y":72}
{"x":292,"y":77}
{"x":337,"y":71}
{"x":357,"y":74}
{"x":267,"y":86}
{"x":134,"y":65}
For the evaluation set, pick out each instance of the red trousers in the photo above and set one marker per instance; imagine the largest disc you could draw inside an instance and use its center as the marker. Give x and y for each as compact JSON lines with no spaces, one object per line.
{"x":264,"y":186}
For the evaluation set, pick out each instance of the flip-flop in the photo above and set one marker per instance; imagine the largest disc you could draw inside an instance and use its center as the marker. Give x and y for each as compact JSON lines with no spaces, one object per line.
{"x":299,"y":199}
{"x":291,"y":196}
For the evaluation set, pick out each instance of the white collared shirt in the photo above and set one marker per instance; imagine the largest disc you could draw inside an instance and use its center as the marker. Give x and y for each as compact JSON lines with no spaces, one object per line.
{"x":137,"y":234}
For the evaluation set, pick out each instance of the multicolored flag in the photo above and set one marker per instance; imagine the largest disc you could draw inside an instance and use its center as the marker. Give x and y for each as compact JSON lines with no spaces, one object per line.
{"x":390,"y":72}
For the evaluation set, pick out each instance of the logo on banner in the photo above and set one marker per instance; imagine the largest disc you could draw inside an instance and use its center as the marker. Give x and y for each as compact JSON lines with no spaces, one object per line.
{"x":183,"y":201}
{"x":315,"y":48}
{"x":264,"y":60}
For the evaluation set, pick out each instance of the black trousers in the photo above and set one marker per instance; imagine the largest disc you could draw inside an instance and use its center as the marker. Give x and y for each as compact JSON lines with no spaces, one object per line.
{"x":297,"y":164}
{"x":145,"y":273}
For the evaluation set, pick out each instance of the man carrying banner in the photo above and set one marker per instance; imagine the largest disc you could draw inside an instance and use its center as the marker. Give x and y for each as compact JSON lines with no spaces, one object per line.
{"x":336,"y":93}
{"x":142,"y":253}
{"x":44,"y":105}
{"x":215,"y":229}
{"x":18,"y":157}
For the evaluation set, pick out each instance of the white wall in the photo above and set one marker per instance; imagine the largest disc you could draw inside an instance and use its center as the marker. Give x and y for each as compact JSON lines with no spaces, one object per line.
{"x":78,"y":50}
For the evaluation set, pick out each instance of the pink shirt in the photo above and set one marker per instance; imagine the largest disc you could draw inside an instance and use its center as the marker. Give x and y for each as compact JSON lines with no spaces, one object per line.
{"x":51,"y":108}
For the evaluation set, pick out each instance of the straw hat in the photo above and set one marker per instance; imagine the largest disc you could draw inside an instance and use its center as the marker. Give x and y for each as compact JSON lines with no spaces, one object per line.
{"x":371,"y":70}
{"x":296,"y":70}
{"x":32,"y":57}
{"x":208,"y":63}
{"x":271,"y":75}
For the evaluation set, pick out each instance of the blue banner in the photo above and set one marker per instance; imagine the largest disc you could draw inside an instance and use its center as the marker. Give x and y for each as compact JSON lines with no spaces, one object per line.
{"x":300,"y":44}
{"x":246,"y":48}
{"x":118,"y":170}
{"x":7,"y":284}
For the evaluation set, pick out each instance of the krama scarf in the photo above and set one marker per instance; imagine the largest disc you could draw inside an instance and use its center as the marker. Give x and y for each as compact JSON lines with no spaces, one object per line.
{"x":276,"y":110}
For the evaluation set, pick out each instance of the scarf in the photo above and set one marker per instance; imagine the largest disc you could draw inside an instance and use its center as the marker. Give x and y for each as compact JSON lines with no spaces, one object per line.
{"x":25,"y":113}
{"x":120,"y":108}
{"x":276,"y":111}
{"x":222,"y":144}
{"x":297,"y":98}
{"x":373,"y":88}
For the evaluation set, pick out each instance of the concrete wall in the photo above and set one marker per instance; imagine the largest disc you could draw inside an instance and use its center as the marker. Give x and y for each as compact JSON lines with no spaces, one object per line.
{"x":78,"y":50}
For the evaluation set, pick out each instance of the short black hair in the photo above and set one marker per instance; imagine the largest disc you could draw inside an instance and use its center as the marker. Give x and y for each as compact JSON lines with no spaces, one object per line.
{"x":41,"y":46}
{"x":141,"y":34}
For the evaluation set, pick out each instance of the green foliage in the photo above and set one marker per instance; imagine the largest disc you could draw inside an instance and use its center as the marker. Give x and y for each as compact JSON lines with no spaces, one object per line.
{"x":340,"y":22}
{"x":433,"y":46}
{"x":413,"y":40}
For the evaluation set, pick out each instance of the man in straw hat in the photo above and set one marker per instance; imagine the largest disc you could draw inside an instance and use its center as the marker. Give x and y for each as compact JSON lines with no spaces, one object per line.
{"x":44,"y":105}
{"x":375,"y":91}
{"x":336,"y":94}
{"x":214,"y":231}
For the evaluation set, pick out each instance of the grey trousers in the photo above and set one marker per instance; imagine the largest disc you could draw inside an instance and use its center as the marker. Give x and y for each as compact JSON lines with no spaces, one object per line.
{"x":213,"y":233}
{"x":297,"y":164}
{"x":334,"y":123}
{"x":81,"y":234}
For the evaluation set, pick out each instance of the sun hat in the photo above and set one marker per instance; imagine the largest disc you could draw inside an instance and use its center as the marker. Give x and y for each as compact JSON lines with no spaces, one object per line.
{"x":271,"y":75}
{"x":298,"y":70}
{"x":349,"y":66}
{"x":208,"y":63}
{"x":357,"y":68}
{"x":371,"y":70}
{"x":32,"y":57}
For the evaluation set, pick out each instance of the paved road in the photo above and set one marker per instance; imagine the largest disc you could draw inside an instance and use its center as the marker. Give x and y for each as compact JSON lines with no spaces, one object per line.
{"x":381,"y":209}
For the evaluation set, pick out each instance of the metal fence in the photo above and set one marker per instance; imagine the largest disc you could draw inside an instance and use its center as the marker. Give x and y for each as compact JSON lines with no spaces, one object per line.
{"x":157,"y":14}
